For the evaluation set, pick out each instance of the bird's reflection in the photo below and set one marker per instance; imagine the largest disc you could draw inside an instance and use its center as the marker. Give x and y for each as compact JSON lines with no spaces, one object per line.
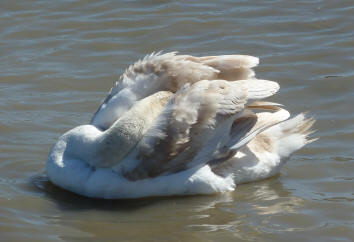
{"x":252,"y":207}
{"x":272,"y":200}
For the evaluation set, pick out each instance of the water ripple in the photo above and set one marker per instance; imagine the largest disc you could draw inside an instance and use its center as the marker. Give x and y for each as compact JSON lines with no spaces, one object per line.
{"x":58,"y":60}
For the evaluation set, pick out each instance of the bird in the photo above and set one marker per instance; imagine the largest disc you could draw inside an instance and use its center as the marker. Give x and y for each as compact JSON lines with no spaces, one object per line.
{"x":178,"y":124}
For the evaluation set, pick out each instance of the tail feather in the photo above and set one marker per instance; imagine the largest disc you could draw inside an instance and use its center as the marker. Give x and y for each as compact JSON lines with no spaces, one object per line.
{"x":268,"y":151}
{"x":300,"y":124}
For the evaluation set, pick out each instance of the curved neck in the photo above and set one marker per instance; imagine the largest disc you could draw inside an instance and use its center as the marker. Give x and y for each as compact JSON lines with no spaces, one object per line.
{"x":124,"y":134}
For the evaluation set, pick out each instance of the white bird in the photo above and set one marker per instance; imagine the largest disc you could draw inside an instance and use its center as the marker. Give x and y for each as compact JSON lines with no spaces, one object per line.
{"x":179,"y":124}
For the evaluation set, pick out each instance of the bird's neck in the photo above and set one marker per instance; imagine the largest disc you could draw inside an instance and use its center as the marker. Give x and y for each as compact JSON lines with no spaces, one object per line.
{"x":112,"y":146}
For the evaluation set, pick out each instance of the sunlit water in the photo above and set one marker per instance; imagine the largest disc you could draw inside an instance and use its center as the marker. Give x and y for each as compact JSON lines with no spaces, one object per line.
{"x":59,"y":58}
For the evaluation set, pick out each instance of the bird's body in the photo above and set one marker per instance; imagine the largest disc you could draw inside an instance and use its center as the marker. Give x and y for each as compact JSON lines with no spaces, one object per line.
{"x":178,"y":124}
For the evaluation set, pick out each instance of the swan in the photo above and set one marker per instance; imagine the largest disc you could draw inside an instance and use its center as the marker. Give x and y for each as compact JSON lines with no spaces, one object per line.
{"x":176,"y":125}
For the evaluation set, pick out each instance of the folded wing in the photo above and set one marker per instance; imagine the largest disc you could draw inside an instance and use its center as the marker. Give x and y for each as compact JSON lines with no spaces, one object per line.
{"x":168,"y":72}
{"x":203,"y":120}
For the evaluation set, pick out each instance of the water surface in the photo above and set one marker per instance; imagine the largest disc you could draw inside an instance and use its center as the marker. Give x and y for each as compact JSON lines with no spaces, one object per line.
{"x":58,"y":59}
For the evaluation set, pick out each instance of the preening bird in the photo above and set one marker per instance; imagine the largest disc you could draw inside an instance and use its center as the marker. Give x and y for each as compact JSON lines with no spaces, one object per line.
{"x":178,"y":124}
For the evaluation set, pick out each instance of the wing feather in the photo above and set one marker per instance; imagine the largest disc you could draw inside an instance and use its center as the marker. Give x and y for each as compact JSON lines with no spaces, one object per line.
{"x":188,"y":122}
{"x":230,"y":67}
{"x":155,"y":72}
{"x":168,"y":72}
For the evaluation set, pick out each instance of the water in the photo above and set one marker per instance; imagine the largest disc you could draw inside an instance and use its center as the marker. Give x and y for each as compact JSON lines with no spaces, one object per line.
{"x":58,"y":60}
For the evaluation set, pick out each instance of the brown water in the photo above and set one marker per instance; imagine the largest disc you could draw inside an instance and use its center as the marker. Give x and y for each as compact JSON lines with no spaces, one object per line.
{"x":59,"y":58}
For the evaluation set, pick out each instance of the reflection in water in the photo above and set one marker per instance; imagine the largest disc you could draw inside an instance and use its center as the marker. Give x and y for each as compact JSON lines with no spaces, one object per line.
{"x":273,"y":202}
{"x":249,"y":211}
{"x":250,"y":208}
{"x":253,"y":209}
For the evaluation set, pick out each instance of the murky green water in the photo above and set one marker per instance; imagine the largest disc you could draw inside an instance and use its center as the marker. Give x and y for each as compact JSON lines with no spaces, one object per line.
{"x":59,"y":58}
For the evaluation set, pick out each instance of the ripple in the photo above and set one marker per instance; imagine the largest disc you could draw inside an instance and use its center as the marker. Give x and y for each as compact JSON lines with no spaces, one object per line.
{"x":60,"y":58}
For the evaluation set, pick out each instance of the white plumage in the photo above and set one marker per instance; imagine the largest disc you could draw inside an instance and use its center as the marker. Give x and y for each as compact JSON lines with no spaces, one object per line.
{"x":178,"y":124}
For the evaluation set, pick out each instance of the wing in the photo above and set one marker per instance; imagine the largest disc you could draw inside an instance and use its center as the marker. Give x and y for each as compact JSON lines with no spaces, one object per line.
{"x":167,"y":72}
{"x":194,"y":124}
{"x":242,"y":133}
{"x":230,"y":67}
